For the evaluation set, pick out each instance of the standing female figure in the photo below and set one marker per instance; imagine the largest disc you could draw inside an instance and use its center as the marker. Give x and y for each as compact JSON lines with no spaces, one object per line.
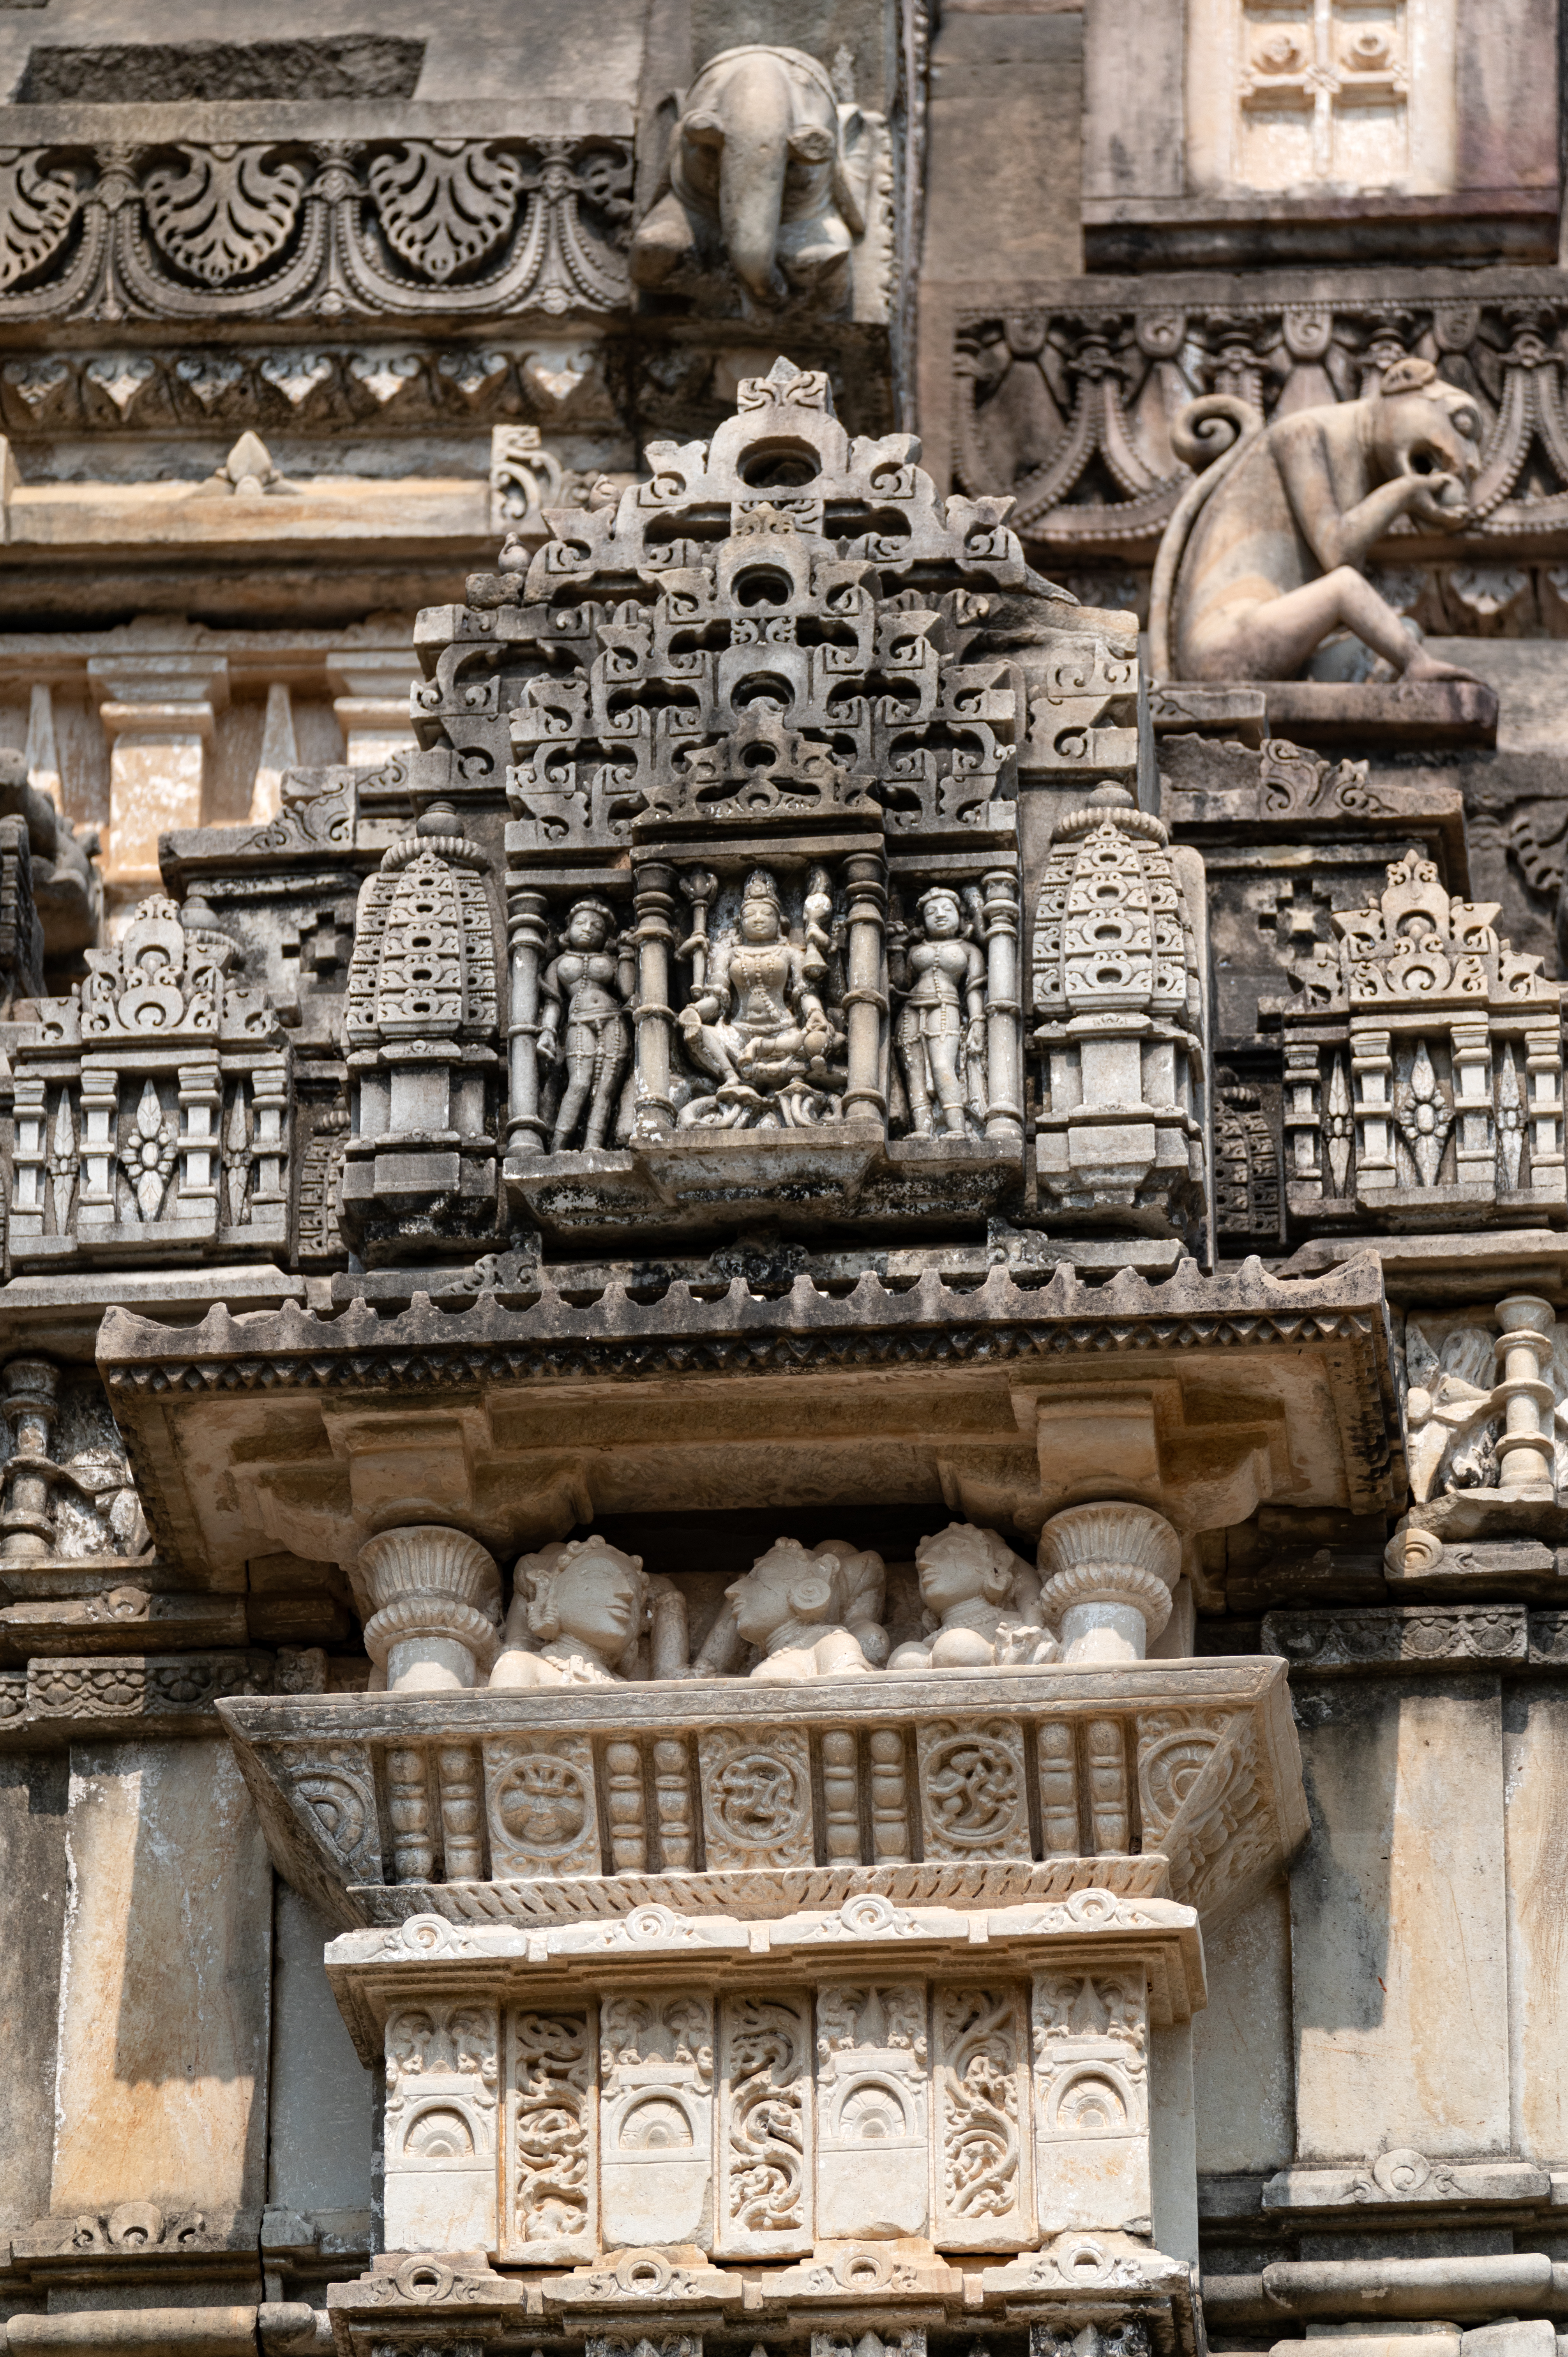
{"x":586,"y":981}
{"x":940,"y":1030}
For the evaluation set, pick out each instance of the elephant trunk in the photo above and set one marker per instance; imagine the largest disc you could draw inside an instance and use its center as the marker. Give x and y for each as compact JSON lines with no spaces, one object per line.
{"x":758,"y":115}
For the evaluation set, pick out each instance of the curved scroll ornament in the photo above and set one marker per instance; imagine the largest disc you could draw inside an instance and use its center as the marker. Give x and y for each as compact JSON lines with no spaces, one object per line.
{"x":768,"y":2125}
{"x":37,"y":209}
{"x":978,"y":2048}
{"x":444,"y":204}
{"x":227,"y":213}
{"x":552,"y":2130}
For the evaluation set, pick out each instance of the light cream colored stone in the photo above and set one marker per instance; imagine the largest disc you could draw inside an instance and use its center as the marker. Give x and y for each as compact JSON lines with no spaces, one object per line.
{"x":982,"y":1605}
{"x":577,"y":1614}
{"x":1092,"y":2100}
{"x":1288,"y":105}
{"x":1400,"y":2013}
{"x":437,"y":1598}
{"x":793,"y":1603}
{"x":1535,"y":1754}
{"x":160,"y":2086}
{"x":1111,"y":1570}
{"x":873,"y":2107}
{"x":158,"y":712}
{"x":1242,"y":2050}
{"x":442,"y":2083}
{"x":656,"y":2169}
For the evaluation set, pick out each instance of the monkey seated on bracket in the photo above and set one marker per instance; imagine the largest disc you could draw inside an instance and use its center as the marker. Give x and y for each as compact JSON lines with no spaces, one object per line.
{"x":1262,"y":557}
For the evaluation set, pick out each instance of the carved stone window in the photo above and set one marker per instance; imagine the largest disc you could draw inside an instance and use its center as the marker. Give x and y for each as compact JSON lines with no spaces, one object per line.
{"x":1293,"y":94}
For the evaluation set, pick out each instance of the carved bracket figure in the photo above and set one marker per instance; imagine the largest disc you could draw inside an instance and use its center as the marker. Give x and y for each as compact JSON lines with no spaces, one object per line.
{"x":766,"y":173}
{"x":1263,"y":557}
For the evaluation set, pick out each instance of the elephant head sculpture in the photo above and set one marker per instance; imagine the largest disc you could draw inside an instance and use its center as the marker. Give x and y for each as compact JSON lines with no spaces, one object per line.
{"x":767,"y":172}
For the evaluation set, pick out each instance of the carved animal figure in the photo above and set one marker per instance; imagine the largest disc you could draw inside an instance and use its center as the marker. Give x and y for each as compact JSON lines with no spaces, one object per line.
{"x":1264,"y":553}
{"x":767,"y":171}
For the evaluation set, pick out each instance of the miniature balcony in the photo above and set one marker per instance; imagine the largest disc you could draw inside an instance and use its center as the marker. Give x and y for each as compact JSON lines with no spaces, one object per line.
{"x":846,"y":1985}
{"x":1147,"y":1778}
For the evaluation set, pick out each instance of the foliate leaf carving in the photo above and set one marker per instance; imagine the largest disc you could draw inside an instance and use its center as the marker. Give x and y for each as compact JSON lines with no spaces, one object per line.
{"x":553,"y":2107}
{"x":37,"y":209}
{"x":444,"y":203}
{"x":226,"y":213}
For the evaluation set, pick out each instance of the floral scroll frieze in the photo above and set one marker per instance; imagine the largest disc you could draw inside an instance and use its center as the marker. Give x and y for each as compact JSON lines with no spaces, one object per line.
{"x":284,"y":227}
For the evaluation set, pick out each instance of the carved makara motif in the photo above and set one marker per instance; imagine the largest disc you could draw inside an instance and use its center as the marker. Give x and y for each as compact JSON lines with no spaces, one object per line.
{"x":551,"y":2170}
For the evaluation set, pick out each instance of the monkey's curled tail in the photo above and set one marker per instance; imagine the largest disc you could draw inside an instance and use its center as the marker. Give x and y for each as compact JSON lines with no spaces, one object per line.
{"x":1212,"y":434}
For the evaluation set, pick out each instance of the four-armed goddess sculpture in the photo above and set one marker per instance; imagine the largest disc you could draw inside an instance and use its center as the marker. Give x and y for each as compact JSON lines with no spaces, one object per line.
{"x":756,"y":1022}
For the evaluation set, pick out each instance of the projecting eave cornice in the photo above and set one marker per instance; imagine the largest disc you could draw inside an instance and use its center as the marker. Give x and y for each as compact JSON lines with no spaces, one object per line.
{"x":287,"y":1430}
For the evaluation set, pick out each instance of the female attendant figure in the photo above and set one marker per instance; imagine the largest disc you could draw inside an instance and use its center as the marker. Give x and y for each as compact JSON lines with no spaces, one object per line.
{"x":940,"y":1029}
{"x":584,"y":992}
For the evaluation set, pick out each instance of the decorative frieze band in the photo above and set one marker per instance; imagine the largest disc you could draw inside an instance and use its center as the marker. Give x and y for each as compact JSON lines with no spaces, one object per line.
{"x":286,"y":224}
{"x":1064,"y":396}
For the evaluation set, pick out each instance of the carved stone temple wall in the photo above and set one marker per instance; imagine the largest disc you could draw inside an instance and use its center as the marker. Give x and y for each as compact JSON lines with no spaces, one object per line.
{"x":783,"y":1191}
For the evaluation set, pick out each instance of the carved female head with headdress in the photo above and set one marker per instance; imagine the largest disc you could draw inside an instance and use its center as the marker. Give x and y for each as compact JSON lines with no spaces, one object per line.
{"x":590,"y":925}
{"x":761,"y":912}
{"x":584,"y":1600}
